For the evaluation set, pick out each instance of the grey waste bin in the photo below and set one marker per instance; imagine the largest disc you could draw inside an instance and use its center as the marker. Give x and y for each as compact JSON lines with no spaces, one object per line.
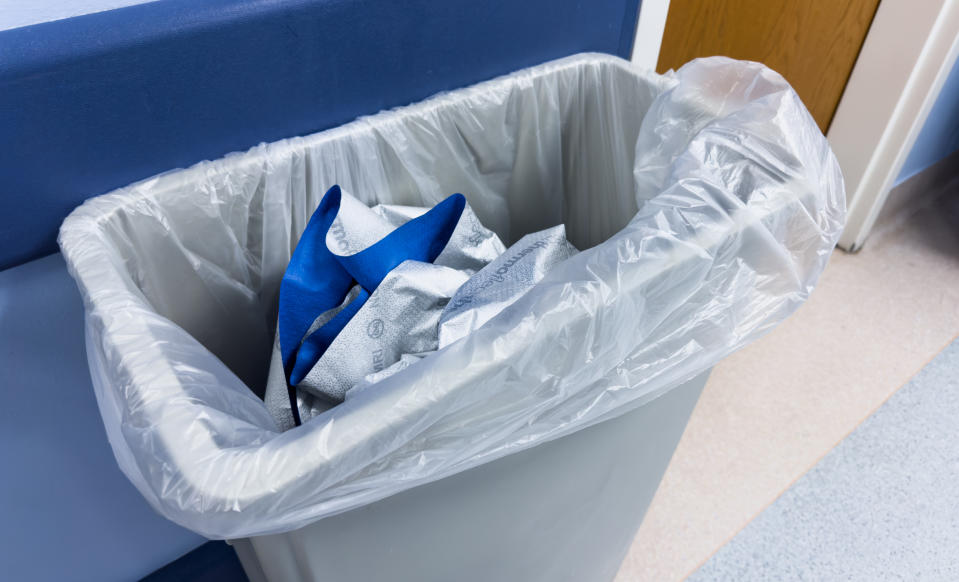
{"x":565,"y":510}
{"x":705,"y":202}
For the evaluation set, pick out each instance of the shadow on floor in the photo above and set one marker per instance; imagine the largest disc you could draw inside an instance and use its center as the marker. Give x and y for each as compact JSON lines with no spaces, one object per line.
{"x":211,"y":562}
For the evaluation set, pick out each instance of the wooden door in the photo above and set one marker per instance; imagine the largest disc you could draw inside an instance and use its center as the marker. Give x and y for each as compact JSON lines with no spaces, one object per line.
{"x":813,"y":43}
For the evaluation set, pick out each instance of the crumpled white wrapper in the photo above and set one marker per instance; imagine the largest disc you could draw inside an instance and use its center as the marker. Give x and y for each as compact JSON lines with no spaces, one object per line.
{"x":484,"y":295}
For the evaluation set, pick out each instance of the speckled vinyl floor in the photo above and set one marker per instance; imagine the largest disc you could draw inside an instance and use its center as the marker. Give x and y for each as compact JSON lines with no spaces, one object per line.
{"x":883,"y":505}
{"x":772,"y":411}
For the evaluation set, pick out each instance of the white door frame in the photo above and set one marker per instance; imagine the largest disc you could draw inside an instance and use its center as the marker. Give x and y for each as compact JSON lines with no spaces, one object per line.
{"x":649,"y":33}
{"x":908,"y":53}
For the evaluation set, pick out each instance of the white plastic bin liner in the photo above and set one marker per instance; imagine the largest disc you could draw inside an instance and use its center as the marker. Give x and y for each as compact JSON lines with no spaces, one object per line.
{"x":707,"y":202}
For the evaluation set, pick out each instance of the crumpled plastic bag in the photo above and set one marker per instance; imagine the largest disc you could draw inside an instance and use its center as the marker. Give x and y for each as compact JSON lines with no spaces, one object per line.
{"x":705,"y":204}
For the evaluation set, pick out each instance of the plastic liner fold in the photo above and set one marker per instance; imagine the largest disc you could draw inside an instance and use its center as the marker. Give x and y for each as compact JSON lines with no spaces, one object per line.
{"x":706,"y":203}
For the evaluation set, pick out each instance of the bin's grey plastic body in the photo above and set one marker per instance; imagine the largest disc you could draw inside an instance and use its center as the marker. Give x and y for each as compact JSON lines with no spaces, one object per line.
{"x":565,"y":510}
{"x":706,"y":204}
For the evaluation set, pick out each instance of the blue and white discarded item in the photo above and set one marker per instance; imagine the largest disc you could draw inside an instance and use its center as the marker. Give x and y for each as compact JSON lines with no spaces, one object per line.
{"x":369,"y":291}
{"x":364,"y":286}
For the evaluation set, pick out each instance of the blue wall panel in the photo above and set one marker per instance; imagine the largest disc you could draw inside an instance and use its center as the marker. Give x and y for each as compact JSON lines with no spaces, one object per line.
{"x":92,"y":103}
{"x":940,"y":134}
{"x":67,"y":513}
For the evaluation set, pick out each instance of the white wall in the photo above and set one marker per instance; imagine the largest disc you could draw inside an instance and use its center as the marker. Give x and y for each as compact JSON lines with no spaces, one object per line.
{"x":18,"y":13}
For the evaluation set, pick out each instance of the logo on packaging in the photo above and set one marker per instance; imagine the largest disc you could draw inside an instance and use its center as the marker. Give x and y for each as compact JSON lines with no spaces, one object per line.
{"x":379,"y":361}
{"x":375,"y":328}
{"x":339,"y":235}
